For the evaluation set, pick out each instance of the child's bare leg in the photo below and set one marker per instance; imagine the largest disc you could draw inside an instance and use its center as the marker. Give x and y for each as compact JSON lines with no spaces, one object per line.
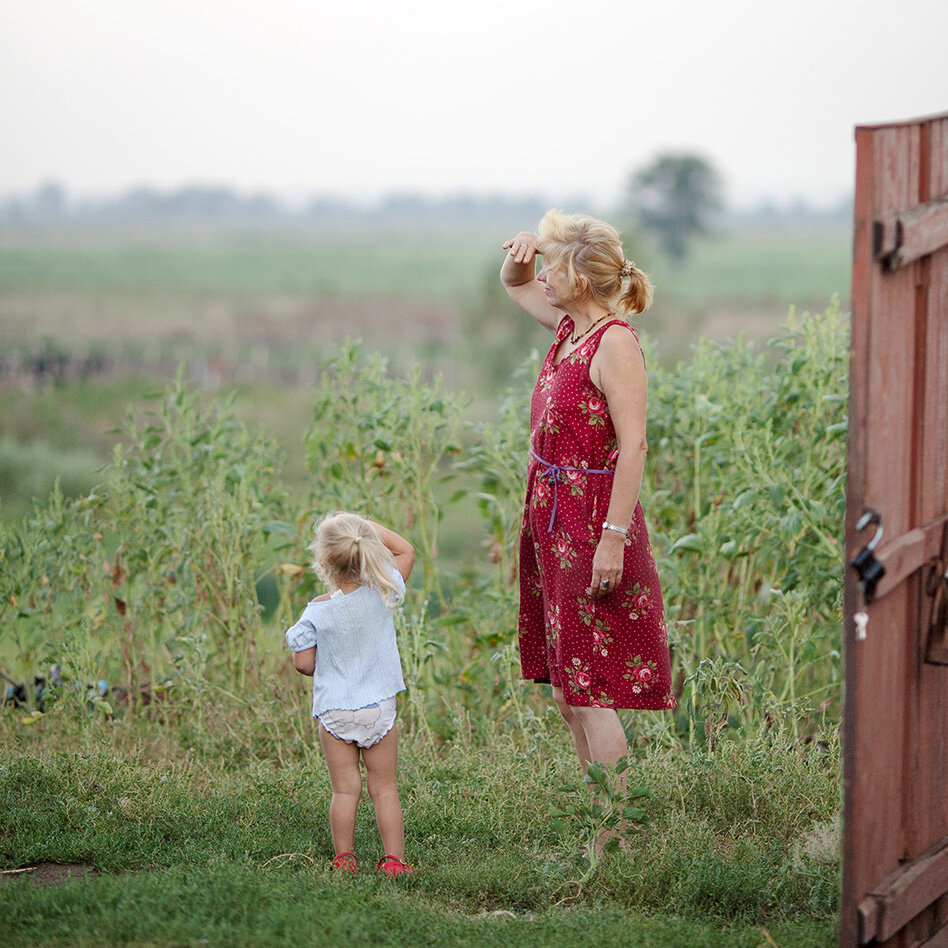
{"x":342,"y":759}
{"x":381,"y":764}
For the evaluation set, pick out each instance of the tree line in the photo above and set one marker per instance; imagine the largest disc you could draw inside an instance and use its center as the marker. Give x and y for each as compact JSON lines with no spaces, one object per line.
{"x":674,"y":198}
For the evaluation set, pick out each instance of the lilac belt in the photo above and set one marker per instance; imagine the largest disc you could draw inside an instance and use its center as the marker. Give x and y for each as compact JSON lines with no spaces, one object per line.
{"x":555,"y":474}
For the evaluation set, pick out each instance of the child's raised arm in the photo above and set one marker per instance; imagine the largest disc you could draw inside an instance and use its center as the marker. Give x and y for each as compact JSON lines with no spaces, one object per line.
{"x":400,"y":548}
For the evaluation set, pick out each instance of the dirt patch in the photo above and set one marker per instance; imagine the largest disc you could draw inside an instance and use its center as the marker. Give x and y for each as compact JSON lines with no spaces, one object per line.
{"x":50,"y":873}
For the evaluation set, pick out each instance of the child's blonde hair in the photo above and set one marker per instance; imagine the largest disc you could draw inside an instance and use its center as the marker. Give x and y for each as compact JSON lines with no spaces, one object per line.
{"x":347,"y":549}
{"x":585,"y":247}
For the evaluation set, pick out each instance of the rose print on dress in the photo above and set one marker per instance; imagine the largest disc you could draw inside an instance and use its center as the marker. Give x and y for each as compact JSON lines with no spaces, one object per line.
{"x":636,"y":600}
{"x":579,"y":675}
{"x":542,"y":493}
{"x":549,"y":422}
{"x":641,"y":673}
{"x":564,"y":551}
{"x":554,"y":625}
{"x":596,"y":410}
{"x":575,"y":481}
{"x":599,"y":626}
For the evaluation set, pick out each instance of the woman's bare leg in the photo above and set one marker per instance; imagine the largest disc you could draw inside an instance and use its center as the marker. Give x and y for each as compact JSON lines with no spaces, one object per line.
{"x":598,"y":736}
{"x":604,"y":733}
{"x":576,"y":730}
{"x":381,"y":766}
{"x":342,"y":759}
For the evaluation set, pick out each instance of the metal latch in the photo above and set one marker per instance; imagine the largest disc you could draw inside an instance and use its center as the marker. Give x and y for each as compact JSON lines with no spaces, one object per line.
{"x":868,"y":568}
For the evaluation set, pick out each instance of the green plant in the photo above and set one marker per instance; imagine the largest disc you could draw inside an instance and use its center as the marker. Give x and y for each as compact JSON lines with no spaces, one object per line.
{"x":377,"y":446}
{"x":607,"y":820}
{"x":151,"y":577}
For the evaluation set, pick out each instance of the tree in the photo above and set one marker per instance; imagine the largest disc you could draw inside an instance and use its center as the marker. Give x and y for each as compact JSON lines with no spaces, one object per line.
{"x":675,"y":197}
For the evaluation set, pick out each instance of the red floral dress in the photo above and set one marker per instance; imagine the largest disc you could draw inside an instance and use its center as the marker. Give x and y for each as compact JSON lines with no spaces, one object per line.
{"x":607,"y":652}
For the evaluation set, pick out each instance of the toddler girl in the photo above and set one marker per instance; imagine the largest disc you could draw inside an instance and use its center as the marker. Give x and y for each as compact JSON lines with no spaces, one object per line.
{"x":346,"y":641}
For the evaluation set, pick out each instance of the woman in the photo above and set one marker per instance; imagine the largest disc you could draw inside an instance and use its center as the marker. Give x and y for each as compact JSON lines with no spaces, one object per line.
{"x":591,"y":614}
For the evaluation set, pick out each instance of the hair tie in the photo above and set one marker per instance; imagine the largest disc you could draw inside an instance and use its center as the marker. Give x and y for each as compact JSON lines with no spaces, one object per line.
{"x":357,"y":540}
{"x":627,"y":267}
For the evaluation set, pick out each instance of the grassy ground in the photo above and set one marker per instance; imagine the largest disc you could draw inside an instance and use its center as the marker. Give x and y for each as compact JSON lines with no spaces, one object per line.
{"x":186,"y":840}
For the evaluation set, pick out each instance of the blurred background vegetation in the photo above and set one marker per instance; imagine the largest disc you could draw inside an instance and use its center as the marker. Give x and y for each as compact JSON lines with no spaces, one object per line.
{"x":101,"y":301}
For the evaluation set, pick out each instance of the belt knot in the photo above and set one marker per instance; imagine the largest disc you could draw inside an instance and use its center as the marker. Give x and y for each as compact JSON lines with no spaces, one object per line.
{"x":554,"y":473}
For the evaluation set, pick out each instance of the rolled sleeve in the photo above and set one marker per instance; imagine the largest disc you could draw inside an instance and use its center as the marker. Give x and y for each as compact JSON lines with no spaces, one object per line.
{"x":302,"y":635}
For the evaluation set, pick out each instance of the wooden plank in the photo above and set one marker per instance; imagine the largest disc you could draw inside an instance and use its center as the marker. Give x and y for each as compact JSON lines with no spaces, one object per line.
{"x":877,"y":475}
{"x":868,"y":912}
{"x":853,"y":810}
{"x":909,"y":890}
{"x":930,"y":821}
{"x":908,"y":553}
{"x":935,"y":409}
{"x":886,"y":748}
{"x":938,"y":940}
{"x":881,"y":126}
{"x":903,"y":237}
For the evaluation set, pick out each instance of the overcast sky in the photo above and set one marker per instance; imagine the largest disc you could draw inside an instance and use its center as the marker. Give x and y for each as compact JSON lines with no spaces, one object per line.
{"x":359,"y":97}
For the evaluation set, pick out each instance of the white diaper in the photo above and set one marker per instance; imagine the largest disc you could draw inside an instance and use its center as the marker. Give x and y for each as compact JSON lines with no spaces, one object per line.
{"x":365,"y":726}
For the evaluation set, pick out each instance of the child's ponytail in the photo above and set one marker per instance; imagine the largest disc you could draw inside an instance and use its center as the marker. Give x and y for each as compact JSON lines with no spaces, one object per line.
{"x":347,"y":549}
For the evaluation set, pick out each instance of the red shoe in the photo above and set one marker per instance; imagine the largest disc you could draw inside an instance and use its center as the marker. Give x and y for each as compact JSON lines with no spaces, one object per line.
{"x":393,"y":866}
{"x":346,"y":862}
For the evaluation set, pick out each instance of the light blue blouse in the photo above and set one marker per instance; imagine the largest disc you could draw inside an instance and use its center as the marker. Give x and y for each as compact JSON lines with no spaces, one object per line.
{"x":357,"y":661}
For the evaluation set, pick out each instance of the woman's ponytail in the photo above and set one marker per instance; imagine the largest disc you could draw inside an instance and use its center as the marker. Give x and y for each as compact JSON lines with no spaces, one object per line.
{"x":637,"y":295}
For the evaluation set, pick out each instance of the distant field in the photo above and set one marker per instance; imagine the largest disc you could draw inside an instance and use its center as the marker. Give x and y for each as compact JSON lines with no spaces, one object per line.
{"x":740,"y":268}
{"x":284,"y":292}
{"x":255,"y":266}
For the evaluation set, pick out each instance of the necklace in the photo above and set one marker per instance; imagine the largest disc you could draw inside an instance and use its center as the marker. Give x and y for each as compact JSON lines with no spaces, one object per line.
{"x":573,"y":338}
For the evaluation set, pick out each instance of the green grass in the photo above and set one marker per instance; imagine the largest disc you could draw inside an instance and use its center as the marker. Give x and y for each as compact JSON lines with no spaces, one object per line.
{"x":192,"y":845}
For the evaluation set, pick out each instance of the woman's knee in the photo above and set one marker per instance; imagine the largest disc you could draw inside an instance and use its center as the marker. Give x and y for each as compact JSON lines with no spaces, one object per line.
{"x":559,"y":699}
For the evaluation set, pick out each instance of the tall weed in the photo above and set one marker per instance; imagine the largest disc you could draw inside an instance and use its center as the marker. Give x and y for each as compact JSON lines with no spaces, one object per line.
{"x":151,"y":578}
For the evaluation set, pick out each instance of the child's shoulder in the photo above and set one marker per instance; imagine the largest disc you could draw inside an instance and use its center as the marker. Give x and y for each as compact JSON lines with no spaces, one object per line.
{"x":325,"y":597}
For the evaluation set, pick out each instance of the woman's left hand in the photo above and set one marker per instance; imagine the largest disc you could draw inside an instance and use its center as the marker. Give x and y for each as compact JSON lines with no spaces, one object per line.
{"x":607,"y":564}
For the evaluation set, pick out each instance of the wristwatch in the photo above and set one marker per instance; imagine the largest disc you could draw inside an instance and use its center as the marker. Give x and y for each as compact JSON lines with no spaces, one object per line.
{"x":611,"y":526}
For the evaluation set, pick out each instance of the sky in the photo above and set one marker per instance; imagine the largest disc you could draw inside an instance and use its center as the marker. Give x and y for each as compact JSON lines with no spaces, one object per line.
{"x":358,"y":99}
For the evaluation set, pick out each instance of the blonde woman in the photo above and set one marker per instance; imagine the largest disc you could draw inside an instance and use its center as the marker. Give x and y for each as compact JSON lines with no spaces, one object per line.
{"x":345,"y":639}
{"x":591,"y":613}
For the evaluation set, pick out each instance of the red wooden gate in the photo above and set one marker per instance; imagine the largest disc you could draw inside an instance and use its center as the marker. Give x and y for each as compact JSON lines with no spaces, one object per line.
{"x":895,"y":858}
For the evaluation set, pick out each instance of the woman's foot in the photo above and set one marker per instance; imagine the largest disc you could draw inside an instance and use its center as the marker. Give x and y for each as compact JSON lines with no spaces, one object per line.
{"x":346,"y":862}
{"x":393,"y":866}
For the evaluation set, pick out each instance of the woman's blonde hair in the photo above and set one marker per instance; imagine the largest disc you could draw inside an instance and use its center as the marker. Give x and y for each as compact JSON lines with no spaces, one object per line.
{"x":585,"y":247}
{"x":348,"y":550}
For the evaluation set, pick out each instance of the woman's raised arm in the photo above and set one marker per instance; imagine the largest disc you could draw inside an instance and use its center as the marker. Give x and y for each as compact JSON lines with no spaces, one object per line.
{"x":519,"y":277}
